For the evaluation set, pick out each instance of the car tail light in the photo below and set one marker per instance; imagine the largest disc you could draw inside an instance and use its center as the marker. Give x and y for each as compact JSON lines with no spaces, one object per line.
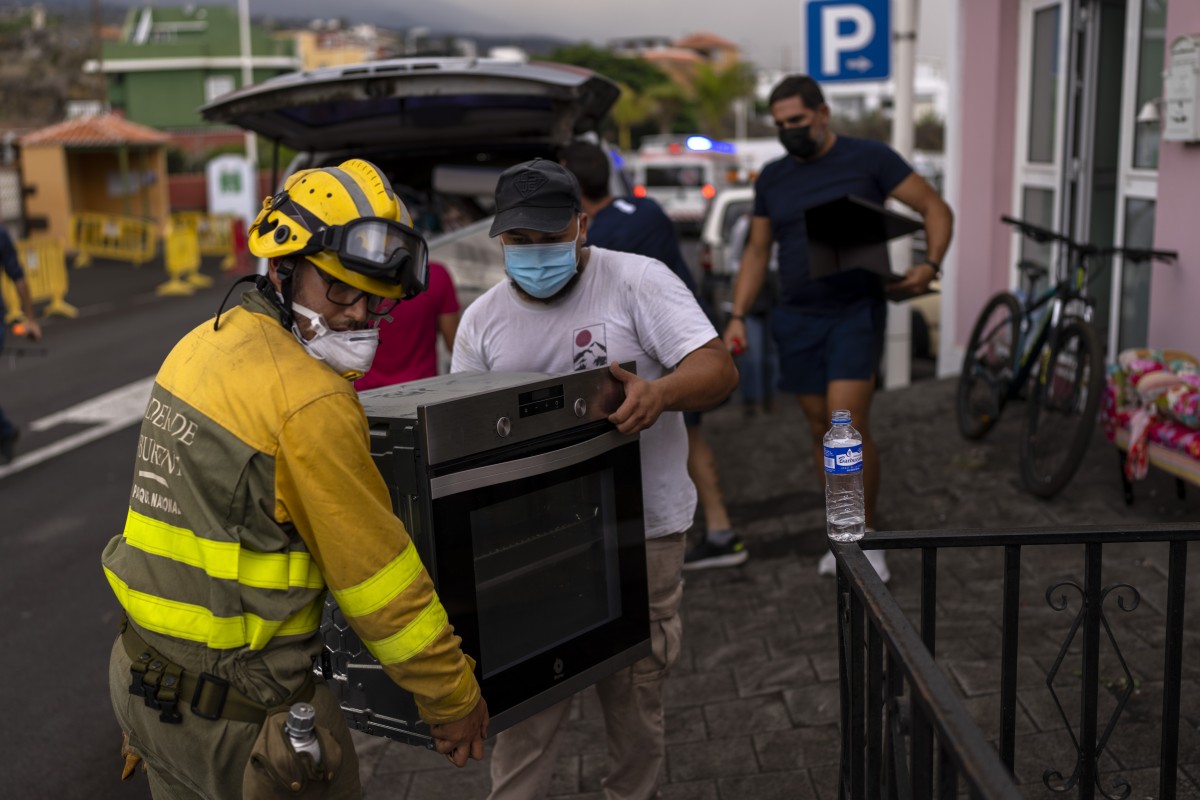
{"x":639,"y":191}
{"x":706,"y":254}
{"x":709,"y":191}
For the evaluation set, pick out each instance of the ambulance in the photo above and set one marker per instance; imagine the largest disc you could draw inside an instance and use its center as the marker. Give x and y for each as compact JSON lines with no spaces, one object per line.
{"x":682,"y":174}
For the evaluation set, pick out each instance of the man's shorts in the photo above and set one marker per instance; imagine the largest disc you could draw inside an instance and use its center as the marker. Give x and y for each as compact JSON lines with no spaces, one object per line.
{"x":815,"y":349}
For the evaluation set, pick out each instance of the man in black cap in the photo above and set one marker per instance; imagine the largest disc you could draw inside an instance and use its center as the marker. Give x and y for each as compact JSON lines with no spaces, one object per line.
{"x":569,"y":307}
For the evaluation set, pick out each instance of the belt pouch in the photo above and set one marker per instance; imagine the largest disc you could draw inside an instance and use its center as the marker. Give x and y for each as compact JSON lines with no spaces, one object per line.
{"x":276,"y":770}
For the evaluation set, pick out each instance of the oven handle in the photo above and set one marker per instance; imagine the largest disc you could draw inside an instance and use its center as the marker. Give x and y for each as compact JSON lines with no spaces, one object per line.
{"x":478,"y":478}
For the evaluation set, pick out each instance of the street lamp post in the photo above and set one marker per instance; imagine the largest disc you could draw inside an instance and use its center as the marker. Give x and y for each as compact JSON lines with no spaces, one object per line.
{"x":247,"y":79}
{"x":898,"y":371}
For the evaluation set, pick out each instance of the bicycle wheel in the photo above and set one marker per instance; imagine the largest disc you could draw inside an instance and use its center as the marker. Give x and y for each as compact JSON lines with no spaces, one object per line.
{"x":989,"y":363}
{"x":1063,"y":409}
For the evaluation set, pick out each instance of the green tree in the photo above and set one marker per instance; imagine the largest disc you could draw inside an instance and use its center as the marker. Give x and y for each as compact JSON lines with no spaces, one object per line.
{"x":872,"y":125}
{"x":633,"y":72}
{"x":715,"y":90}
{"x":931,"y":133}
{"x":631,"y":109}
{"x":929,"y":130}
{"x":669,"y":101}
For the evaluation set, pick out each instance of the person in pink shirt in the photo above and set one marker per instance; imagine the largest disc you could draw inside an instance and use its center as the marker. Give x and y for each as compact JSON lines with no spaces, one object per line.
{"x":408,"y":343}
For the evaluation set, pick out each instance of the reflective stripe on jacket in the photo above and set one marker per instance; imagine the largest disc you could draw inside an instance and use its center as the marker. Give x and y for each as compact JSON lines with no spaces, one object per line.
{"x":253,"y":492}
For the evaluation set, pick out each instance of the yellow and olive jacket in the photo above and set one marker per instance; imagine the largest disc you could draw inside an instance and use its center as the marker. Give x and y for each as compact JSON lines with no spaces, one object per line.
{"x":253,"y":492}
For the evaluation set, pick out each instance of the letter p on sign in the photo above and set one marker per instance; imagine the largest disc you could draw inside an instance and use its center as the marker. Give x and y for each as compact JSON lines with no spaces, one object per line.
{"x":838,"y":37}
{"x":847,"y":40}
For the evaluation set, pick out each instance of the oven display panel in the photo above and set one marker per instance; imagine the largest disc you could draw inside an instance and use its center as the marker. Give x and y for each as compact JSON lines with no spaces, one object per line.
{"x":539,"y":401}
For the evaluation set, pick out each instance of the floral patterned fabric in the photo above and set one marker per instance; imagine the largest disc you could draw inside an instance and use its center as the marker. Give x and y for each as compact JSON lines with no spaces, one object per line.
{"x":1156,"y":395}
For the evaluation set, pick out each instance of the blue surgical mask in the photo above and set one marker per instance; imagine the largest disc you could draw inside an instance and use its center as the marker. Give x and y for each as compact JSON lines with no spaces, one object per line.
{"x":541,"y":270}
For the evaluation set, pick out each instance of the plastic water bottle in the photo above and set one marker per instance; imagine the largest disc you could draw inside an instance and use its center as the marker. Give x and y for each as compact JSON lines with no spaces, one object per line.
{"x":845,"y":511}
{"x":301,"y":730}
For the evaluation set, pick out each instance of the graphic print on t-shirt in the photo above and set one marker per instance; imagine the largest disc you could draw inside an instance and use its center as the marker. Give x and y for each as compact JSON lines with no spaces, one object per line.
{"x":590,"y":348}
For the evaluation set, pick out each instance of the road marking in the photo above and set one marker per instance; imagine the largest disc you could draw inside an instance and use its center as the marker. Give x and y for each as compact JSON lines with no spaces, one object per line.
{"x":109,"y":412}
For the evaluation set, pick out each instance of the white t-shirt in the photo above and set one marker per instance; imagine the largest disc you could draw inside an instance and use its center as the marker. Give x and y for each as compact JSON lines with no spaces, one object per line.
{"x":624,"y":307}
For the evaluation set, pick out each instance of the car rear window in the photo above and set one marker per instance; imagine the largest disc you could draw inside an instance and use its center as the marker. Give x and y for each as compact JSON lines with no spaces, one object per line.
{"x":675,"y":176}
{"x":733,"y":210}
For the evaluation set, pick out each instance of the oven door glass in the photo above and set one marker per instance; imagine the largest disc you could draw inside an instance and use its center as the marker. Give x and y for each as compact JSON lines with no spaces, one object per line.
{"x":541,"y":561}
{"x":549,"y":554}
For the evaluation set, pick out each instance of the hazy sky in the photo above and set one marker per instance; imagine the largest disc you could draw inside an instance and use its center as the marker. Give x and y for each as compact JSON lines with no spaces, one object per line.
{"x":767,"y":30}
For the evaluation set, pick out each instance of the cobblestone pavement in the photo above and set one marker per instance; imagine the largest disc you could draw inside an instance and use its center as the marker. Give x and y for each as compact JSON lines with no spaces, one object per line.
{"x":752,"y":707}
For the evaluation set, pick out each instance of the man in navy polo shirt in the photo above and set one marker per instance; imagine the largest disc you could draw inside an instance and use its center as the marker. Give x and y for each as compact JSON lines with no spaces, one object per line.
{"x":830,"y":331}
{"x":628,"y":224}
{"x":639,"y":225}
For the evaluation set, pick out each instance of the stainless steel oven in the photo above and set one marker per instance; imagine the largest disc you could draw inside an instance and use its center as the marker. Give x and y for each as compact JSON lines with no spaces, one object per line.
{"x":525,"y":505}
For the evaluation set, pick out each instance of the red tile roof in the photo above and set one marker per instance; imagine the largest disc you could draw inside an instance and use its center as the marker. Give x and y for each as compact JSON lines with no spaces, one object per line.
{"x":105,"y":130}
{"x":705,"y":41}
{"x":673,"y":54}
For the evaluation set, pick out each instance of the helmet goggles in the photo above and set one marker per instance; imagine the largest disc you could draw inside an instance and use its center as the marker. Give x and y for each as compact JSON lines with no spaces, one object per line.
{"x":378,"y":248}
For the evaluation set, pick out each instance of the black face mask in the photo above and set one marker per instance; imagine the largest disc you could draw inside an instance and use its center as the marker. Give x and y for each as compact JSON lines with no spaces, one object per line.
{"x":799,"y":142}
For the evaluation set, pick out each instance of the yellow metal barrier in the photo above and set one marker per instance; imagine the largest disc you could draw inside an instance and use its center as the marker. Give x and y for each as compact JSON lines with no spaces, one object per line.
{"x":183,"y":262}
{"x":215,"y":232}
{"x":45,"y":274}
{"x":109,"y":236}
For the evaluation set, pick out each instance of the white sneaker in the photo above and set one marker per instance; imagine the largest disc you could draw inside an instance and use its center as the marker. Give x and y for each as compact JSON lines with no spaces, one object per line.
{"x":828,"y":564}
{"x":879,"y":561}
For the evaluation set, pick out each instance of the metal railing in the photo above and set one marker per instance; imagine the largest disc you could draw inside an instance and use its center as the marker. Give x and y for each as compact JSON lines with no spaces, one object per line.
{"x":925,"y":746}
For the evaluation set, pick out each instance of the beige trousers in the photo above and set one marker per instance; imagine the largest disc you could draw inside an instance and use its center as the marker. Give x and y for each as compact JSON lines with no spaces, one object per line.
{"x":201,"y":759}
{"x":524,"y":756}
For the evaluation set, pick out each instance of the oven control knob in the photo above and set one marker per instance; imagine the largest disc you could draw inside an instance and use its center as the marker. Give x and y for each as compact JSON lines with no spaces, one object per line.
{"x":580,"y":407}
{"x":503,"y":427}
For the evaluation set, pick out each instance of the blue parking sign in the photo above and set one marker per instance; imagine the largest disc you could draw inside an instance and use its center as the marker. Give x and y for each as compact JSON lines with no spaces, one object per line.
{"x":848,"y":40}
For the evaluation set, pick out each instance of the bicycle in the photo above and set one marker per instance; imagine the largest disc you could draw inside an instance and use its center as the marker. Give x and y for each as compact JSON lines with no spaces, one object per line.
{"x":1046,"y":342}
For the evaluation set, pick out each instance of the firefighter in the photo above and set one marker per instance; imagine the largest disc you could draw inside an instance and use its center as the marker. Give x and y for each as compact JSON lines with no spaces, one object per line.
{"x":254,"y":495}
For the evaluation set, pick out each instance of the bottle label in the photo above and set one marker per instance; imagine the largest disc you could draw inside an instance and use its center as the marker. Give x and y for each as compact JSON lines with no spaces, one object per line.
{"x":843,"y":460}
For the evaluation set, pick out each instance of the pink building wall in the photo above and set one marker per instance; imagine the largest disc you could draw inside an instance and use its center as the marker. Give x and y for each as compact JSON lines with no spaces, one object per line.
{"x":987,"y":116}
{"x":1175,"y":290}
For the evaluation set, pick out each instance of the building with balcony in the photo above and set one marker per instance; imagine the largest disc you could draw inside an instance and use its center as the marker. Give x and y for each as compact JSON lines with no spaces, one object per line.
{"x":172,"y":60}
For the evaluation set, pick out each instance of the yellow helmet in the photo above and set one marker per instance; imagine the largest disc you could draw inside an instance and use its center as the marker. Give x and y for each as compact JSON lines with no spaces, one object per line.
{"x":349,"y":223}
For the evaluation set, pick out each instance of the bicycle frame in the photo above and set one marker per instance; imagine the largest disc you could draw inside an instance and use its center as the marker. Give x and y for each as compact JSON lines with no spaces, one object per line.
{"x":1033,"y":344}
{"x":1073,"y":286}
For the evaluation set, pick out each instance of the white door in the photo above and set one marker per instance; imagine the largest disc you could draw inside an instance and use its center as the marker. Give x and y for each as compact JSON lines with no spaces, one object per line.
{"x":1137,"y":185}
{"x":1041,"y":112}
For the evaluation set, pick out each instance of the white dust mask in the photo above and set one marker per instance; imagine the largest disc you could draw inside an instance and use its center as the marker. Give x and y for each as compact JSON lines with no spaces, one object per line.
{"x":348,"y":353}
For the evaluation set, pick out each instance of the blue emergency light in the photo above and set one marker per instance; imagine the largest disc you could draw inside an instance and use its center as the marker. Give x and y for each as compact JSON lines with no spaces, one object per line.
{"x":704,"y":144}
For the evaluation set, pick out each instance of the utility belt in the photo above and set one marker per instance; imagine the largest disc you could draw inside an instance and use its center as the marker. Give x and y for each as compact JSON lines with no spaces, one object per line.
{"x":164,"y":683}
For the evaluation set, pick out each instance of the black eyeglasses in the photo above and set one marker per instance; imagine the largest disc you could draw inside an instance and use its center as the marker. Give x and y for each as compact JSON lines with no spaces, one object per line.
{"x":343,"y":294}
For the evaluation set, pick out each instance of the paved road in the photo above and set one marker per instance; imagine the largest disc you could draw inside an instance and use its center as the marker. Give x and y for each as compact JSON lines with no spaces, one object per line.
{"x":59,"y":738}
